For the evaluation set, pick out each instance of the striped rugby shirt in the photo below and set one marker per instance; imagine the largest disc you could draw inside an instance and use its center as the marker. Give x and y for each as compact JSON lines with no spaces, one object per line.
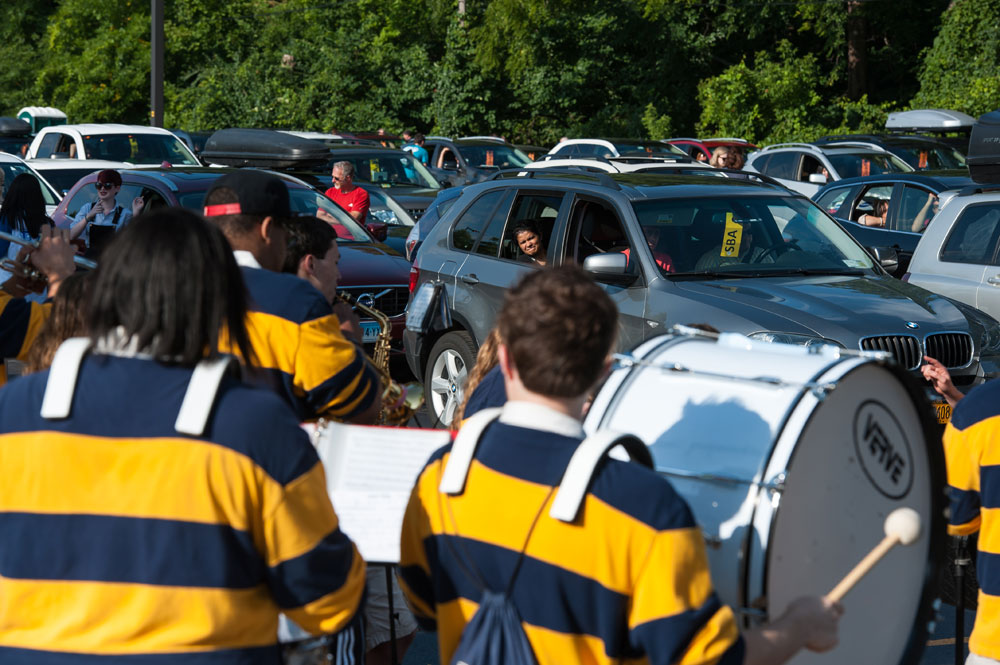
{"x":301,"y":351}
{"x":972,"y":454}
{"x":20,"y":322}
{"x":628,"y":581}
{"x":122,"y":538}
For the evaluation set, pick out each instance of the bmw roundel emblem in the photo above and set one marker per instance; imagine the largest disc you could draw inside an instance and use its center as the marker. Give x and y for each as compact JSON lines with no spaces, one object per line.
{"x":367,"y":300}
{"x":911,"y":325}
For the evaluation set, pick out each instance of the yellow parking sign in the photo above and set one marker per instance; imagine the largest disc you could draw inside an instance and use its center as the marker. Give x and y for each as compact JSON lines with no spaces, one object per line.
{"x":732,"y":237}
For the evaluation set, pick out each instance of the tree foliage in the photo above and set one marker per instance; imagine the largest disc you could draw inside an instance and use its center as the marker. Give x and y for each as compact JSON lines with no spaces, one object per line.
{"x":534,"y":70}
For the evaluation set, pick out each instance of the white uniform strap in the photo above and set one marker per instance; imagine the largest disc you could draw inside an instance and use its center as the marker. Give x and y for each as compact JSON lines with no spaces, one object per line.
{"x":200,"y":396}
{"x":576,"y":479}
{"x":463,"y":450}
{"x":61,"y":385}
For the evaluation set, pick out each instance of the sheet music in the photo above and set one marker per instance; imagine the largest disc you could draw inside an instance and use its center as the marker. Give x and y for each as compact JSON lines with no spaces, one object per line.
{"x":369,"y":474}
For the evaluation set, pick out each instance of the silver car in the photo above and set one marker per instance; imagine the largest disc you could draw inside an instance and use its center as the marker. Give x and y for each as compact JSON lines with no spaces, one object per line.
{"x":740,"y":256}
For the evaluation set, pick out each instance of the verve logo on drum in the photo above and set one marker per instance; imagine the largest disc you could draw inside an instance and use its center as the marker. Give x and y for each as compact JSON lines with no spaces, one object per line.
{"x":883,"y":451}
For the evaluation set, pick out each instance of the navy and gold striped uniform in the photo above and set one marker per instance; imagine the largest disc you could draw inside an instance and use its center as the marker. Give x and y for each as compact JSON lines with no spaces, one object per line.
{"x":123,"y":538}
{"x":303,"y":354}
{"x":628,"y":581}
{"x":972,"y":453}
{"x":20,"y":322}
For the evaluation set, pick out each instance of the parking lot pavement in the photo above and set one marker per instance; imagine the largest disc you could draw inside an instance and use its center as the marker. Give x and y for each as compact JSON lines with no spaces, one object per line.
{"x":941,"y":645}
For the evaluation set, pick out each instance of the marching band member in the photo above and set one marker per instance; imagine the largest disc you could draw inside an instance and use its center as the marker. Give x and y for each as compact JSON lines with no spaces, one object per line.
{"x":629,"y":579}
{"x":295,"y":333}
{"x":22,"y":320}
{"x":313,"y":256}
{"x":152,"y":505}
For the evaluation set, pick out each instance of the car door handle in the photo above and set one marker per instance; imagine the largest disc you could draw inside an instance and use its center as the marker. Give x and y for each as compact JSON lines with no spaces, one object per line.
{"x":995,"y":280}
{"x":470,"y":279}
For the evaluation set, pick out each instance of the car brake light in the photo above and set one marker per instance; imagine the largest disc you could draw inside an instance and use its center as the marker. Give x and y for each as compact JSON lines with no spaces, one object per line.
{"x":414,"y":275}
{"x":904,"y":278}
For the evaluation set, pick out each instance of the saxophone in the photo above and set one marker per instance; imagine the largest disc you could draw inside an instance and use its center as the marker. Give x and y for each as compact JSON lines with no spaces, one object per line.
{"x":399,"y":402}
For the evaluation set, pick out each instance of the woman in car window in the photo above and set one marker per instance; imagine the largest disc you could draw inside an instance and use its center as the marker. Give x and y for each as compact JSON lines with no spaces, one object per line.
{"x":878,"y":219}
{"x":529,"y":239}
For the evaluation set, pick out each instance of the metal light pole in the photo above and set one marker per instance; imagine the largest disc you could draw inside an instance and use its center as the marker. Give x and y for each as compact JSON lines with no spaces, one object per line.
{"x":156,"y":64}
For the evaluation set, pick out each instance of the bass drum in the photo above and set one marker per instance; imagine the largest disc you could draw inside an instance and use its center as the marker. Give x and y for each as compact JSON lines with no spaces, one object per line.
{"x":791,"y":459}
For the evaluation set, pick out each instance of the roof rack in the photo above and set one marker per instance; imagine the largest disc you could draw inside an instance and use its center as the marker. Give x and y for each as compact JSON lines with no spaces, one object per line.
{"x":972,"y":190}
{"x":734,"y":139}
{"x":481,"y":138}
{"x":601,"y":178}
{"x":854,"y":144}
{"x":773,"y":146}
{"x":595,"y":158}
{"x":437,"y":138}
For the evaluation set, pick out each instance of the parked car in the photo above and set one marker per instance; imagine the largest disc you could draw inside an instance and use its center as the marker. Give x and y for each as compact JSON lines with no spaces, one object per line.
{"x":923,"y":153}
{"x":138,"y":145}
{"x":959,"y":254}
{"x":745,"y":257}
{"x":396,"y":172}
{"x":801,"y":166}
{"x":15,"y":135}
{"x":195,"y":141}
{"x":701,"y":149}
{"x":64,"y":173}
{"x":615,"y":148}
{"x":472,"y":159}
{"x":913,"y":201}
{"x":951,"y":127}
{"x":368,"y":269}
{"x":663,"y":165}
{"x":13,"y":166}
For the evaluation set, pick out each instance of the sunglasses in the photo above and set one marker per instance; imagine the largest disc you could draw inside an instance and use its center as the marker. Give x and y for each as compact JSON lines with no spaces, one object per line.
{"x":337,"y":178}
{"x":105,"y":185}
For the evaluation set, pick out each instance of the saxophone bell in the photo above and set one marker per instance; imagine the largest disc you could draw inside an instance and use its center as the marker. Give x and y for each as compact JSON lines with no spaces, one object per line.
{"x":399,"y":402}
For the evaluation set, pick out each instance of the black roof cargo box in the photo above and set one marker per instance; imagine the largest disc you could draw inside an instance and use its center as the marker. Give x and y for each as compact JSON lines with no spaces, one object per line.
{"x":14,"y":127}
{"x":984,"y":149}
{"x":264,"y":148}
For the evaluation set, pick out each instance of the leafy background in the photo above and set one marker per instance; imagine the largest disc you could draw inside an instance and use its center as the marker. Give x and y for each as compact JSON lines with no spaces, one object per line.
{"x":531,"y":70}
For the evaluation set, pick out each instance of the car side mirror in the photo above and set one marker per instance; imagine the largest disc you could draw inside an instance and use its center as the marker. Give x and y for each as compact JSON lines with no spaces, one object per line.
{"x":817,"y":178}
{"x":609,"y":267}
{"x":378,"y":229}
{"x":887,"y":257}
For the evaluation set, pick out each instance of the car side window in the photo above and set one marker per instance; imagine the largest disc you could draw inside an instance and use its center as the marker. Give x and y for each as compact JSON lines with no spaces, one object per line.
{"x":833,"y":200}
{"x":782,"y":165}
{"x":868,"y":202}
{"x":47,"y":145}
{"x":810,"y":165}
{"x":595,"y":229}
{"x":472,"y":222}
{"x":916,"y":208}
{"x":536,"y":211}
{"x":973,"y":237}
{"x":86,"y":194}
{"x":447,"y":159}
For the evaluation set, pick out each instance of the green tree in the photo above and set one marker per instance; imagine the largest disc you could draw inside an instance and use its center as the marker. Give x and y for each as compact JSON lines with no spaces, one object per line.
{"x":961,"y":71}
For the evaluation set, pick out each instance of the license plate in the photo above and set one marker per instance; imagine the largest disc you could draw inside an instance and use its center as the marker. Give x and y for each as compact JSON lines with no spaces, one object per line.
{"x":369,"y":331}
{"x":943,"y":412}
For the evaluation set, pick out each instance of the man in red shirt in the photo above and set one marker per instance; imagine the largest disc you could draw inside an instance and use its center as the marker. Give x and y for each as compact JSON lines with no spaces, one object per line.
{"x":346,"y":194}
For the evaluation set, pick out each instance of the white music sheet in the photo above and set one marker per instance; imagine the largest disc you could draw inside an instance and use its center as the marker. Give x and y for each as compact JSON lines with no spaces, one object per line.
{"x":370,"y":472}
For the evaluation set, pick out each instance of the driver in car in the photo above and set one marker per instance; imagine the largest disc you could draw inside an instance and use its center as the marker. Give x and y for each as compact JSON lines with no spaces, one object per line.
{"x":737,"y":246}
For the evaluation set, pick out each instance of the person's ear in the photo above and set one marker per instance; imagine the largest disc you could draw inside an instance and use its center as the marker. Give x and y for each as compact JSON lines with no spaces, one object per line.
{"x":506,"y":363}
{"x":308,"y":263}
{"x":267,"y":230}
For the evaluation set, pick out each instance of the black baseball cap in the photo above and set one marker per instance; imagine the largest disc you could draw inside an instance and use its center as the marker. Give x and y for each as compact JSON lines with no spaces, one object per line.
{"x":257,"y":193}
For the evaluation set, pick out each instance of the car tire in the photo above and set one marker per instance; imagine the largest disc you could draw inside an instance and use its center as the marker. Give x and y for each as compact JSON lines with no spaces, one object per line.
{"x":451,"y":359}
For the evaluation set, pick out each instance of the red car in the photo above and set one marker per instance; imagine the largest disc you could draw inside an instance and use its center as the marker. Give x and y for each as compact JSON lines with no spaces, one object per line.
{"x":701,"y":149}
{"x":370,"y":271}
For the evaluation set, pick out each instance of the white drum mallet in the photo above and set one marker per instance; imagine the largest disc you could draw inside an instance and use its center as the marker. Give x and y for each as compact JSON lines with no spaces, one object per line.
{"x":902,"y":527}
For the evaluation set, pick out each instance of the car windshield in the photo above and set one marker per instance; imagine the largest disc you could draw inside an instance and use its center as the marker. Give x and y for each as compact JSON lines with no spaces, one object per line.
{"x":925,"y":158}
{"x":13,"y":169}
{"x":746,"y":236}
{"x":648,"y":148}
{"x":64,"y":179}
{"x":390,"y":170}
{"x":304,"y":201}
{"x":138,"y":149}
{"x":493,"y":156}
{"x":854,"y":164}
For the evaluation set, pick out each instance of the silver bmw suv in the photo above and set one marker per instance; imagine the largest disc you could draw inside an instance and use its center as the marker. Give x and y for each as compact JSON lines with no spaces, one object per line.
{"x":742,"y":256}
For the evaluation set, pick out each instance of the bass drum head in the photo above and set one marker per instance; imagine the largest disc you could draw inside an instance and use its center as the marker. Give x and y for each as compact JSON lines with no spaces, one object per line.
{"x":866,"y":450}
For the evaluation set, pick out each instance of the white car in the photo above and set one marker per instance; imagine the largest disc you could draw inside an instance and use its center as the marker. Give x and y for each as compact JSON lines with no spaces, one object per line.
{"x":805,"y":167}
{"x":625,"y":165}
{"x":62,"y":174}
{"x":615,"y":148}
{"x":959,"y":253}
{"x":13,"y":166}
{"x":137,"y":145}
